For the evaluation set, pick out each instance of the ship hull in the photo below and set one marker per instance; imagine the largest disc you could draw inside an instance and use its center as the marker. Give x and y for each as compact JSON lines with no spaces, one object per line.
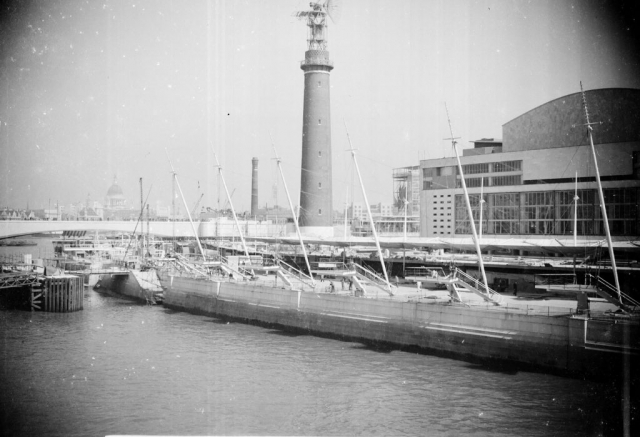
{"x":132,"y":284}
{"x":567,"y":345}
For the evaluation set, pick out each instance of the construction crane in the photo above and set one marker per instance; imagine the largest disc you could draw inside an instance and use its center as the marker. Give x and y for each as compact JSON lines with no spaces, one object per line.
{"x":195,"y":207}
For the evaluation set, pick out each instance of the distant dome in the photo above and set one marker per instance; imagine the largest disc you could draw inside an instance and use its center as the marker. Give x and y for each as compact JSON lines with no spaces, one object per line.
{"x":115,"y":196}
{"x":115,"y":190}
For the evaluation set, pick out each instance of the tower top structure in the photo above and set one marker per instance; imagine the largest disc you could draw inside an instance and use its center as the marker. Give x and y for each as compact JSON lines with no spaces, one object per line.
{"x":316,"y":19}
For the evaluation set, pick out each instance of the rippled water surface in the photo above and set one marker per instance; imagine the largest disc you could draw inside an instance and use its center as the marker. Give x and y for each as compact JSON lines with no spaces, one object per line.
{"x":118,"y":367}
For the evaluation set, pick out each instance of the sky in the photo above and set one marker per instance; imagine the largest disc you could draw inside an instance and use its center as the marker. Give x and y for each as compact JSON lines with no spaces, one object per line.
{"x":92,"y":91}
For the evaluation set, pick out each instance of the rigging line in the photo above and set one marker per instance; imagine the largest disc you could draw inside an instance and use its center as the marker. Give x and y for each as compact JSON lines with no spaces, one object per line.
{"x":555,"y":185}
{"x":139,"y":218}
{"x":309,"y":194}
{"x":379,"y":162}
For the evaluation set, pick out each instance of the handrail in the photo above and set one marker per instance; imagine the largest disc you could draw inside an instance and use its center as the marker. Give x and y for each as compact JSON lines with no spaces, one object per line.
{"x":188,"y":265}
{"x":301,"y":274}
{"x":290,"y":268}
{"x":611,"y":289}
{"x":554,"y":279}
{"x":371,"y":276}
{"x":486,"y":292}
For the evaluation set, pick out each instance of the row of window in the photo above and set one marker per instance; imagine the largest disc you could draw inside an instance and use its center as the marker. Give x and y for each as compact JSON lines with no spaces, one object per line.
{"x":551,"y":212}
{"x":507,"y":166}
{"x":549,"y":227}
{"x":467,"y":169}
{"x":494,"y":181}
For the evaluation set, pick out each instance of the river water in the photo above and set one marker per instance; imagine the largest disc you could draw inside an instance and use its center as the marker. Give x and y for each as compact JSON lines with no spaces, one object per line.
{"x":119,"y":367}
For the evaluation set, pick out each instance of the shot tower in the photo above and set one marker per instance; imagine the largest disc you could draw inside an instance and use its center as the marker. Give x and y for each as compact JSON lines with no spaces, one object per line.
{"x":316,"y":200}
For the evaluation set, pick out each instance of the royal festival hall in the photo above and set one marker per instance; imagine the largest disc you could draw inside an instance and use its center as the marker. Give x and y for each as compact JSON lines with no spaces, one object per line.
{"x":530,"y":178}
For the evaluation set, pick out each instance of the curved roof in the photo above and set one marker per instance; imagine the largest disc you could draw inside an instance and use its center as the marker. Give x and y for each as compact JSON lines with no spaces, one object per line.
{"x":560,"y":122}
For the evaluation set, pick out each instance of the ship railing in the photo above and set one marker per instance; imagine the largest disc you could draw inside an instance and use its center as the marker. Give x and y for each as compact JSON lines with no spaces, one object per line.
{"x":244,"y":271}
{"x":478,"y":287}
{"x":239,"y":273}
{"x":328,"y":266}
{"x":610,"y":293}
{"x":256,"y":263}
{"x":298,"y":274}
{"x":187,"y":265}
{"x":555,"y":279}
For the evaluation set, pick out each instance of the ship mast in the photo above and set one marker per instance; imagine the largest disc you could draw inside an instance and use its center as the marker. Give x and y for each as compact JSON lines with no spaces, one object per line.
{"x":233,"y":211}
{"x":195,"y":233}
{"x":575,"y":214}
{"x":468,"y":203}
{"x":373,"y":225}
{"x":603,"y":207}
{"x":481,"y":202}
{"x":293,"y":212}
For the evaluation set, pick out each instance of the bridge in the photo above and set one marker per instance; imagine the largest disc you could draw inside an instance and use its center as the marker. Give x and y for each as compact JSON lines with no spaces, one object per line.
{"x":221,"y":227}
{"x":268,"y":232}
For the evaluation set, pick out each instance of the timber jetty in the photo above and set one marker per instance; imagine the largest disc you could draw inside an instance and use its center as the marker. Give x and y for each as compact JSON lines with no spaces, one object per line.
{"x":26,"y":283}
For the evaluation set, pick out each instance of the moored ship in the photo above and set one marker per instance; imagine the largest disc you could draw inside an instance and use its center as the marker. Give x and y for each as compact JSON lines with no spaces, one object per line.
{"x":554,"y":338}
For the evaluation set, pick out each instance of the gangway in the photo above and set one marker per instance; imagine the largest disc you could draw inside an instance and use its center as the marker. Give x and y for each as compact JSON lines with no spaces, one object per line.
{"x":360,"y":273}
{"x":241,"y":268}
{"x":475,"y":286}
{"x":182,"y":262}
{"x":277,"y":266}
{"x":608,"y":291}
{"x":357,"y":273}
{"x":429,"y":275}
{"x":301,"y":276}
{"x":225,"y":267}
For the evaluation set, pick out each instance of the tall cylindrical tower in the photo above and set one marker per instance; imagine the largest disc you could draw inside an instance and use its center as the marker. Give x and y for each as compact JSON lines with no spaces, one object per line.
{"x":316,"y":200}
{"x":254,"y":187}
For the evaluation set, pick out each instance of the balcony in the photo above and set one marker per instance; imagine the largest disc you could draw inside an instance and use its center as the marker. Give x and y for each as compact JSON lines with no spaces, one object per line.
{"x":317,"y":61}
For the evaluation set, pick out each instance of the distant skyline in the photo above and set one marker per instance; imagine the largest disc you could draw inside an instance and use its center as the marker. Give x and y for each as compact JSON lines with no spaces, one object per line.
{"x":93,"y":90}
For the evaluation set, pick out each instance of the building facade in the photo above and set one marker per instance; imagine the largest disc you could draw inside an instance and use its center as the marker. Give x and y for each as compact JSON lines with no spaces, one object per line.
{"x":406,"y":187}
{"x":540,"y":179}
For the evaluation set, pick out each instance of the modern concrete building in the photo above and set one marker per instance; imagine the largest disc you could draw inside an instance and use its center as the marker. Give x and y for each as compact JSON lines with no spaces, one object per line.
{"x":529,"y":178}
{"x":316,"y":200}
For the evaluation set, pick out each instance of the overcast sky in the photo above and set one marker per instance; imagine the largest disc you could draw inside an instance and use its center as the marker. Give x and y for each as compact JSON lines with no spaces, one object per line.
{"x":94,"y":89}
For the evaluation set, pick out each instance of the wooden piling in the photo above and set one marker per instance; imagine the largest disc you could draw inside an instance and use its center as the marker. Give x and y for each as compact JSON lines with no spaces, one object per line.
{"x":35,"y":300}
{"x":63,"y":294}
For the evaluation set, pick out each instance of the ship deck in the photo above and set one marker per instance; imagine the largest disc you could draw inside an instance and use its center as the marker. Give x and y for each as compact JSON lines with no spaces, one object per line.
{"x":524,"y":303}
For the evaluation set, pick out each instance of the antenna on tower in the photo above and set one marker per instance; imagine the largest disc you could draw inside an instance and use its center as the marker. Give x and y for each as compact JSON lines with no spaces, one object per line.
{"x":317,"y":21}
{"x":334,"y":10}
{"x":586,"y":109}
